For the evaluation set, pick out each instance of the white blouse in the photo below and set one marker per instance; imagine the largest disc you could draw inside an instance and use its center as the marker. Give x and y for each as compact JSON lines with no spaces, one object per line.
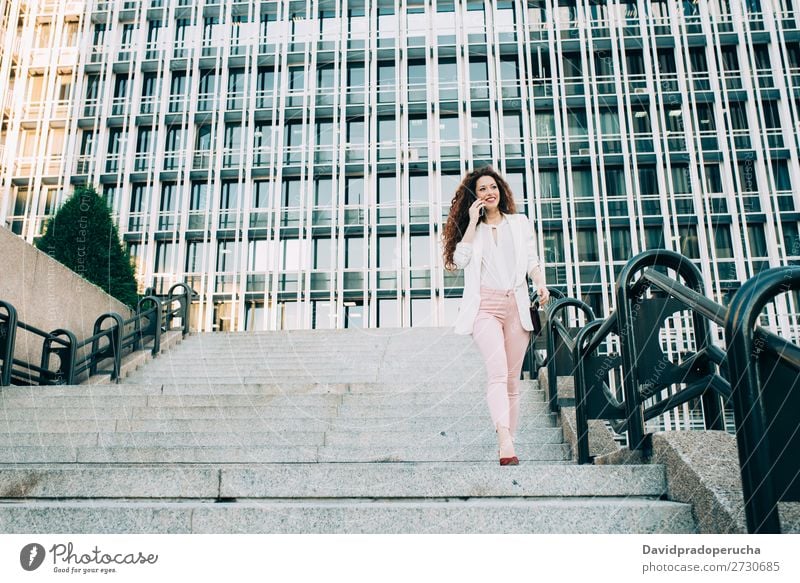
{"x":499,"y":259}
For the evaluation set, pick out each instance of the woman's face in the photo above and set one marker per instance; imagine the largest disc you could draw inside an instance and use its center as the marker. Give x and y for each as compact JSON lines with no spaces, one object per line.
{"x":487,"y":190}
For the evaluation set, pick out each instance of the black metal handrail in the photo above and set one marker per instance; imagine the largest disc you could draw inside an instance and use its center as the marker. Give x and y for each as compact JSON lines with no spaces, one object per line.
{"x":153,"y":315}
{"x":183,"y":298}
{"x":112,"y":350}
{"x":8,"y":333}
{"x":58,"y":343}
{"x":639,"y":362}
{"x":764,"y":373}
{"x":534,"y":358}
{"x":560,"y":340}
{"x":760,"y":372}
{"x":63,"y":345}
{"x":646,"y":370}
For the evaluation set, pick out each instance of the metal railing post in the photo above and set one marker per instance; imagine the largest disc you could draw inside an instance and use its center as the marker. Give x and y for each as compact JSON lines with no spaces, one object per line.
{"x":184,"y":299}
{"x":153,"y":326}
{"x":552,"y":369}
{"x":760,"y":500}
{"x":114,"y":348}
{"x":66,"y":356}
{"x":8,"y":334}
{"x":581,"y":418}
{"x":559,"y":349}
{"x":630,"y":294}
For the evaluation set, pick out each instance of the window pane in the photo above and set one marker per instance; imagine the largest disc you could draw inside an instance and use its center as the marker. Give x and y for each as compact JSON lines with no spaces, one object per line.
{"x":722,"y":241}
{"x":354,"y":252}
{"x":387,"y":190}
{"x":420,"y":250}
{"x":587,"y":245}
{"x":418,"y":190}
{"x":388,"y":252}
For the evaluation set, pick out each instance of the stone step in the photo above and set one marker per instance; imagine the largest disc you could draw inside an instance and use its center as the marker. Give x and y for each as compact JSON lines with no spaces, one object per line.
{"x":343,"y":415}
{"x":341,"y":346}
{"x":476,"y":381}
{"x":424,"y":438}
{"x":373,"y":436}
{"x":288,"y":369}
{"x":179,"y":433}
{"x":203,"y":431}
{"x":382,"y":410}
{"x":22,"y":408}
{"x":19,"y":396}
{"x":343,"y":342}
{"x":536,"y":413}
{"x":306,"y":431}
{"x":379,"y":355}
{"x":288,"y":387}
{"x":164,"y":450}
{"x":314,"y":359}
{"x":438,"y":352}
{"x":480,"y":515}
{"x":430,"y":334}
{"x":328,"y":480}
{"x":440,"y":414}
{"x":148,"y":418}
{"x":251,"y":431}
{"x":256,"y":351}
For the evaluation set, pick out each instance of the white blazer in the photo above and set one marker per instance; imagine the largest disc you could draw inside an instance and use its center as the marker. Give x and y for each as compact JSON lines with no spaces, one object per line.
{"x":468,"y":256}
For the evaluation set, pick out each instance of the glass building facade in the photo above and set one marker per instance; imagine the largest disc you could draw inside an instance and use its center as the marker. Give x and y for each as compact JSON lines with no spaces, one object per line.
{"x":39,"y":49}
{"x":294,"y":161}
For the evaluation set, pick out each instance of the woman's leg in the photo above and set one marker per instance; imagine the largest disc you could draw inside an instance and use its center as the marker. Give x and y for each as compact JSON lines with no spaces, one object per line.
{"x":488,"y":335}
{"x":516,"y":344}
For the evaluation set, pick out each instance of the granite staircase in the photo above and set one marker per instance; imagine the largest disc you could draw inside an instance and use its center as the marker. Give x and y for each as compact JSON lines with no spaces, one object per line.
{"x":357,"y":431}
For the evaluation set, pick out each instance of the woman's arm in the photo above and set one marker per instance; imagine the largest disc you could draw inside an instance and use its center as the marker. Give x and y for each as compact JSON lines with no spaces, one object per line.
{"x":463,"y":250}
{"x":462,"y":254}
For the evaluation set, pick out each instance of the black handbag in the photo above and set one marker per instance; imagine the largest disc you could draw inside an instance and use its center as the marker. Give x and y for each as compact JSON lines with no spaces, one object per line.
{"x":536,"y":317}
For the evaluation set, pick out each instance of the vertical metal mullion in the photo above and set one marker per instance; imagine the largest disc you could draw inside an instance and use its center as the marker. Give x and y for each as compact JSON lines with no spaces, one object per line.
{"x":597,"y":161}
{"x":774,"y":228}
{"x":754,"y":105}
{"x":657,"y":103}
{"x":562,"y":145}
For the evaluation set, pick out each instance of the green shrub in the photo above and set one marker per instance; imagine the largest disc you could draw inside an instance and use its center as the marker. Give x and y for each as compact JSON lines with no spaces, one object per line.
{"x":83,"y":237}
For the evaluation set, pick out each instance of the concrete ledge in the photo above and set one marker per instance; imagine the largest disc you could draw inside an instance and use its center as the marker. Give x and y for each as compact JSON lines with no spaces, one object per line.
{"x":48,"y":295}
{"x":621,"y":457}
{"x":703,"y":470}
{"x":601,"y":442}
{"x":565,"y":386}
{"x":789,"y":513}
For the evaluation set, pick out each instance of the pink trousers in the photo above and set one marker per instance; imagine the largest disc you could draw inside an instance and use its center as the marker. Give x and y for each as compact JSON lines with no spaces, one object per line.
{"x":502,"y":341}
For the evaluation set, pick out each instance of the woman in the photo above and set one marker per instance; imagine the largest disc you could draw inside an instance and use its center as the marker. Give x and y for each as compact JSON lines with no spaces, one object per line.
{"x":496,"y":249}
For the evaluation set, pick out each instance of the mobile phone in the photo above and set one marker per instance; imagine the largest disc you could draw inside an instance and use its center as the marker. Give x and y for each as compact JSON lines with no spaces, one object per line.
{"x":481,"y":211}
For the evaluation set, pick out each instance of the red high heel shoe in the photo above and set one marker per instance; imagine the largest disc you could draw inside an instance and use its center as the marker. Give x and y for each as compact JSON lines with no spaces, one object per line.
{"x":507,"y":461}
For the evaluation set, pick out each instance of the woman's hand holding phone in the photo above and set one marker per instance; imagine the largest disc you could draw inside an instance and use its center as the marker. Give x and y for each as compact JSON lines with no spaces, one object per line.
{"x":476,"y":211}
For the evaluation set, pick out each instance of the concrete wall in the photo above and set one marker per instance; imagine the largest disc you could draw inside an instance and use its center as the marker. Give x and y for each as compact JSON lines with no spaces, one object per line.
{"x":48,"y":295}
